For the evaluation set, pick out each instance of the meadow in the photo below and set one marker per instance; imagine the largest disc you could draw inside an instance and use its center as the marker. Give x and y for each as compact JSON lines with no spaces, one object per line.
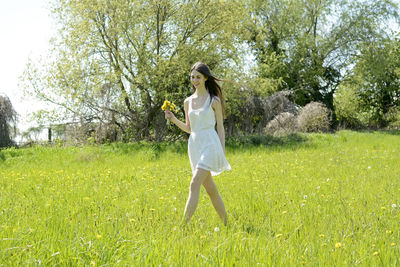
{"x":313,"y":200}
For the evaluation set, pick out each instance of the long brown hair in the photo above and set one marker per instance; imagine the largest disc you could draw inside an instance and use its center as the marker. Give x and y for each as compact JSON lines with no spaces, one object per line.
{"x":211,"y":84}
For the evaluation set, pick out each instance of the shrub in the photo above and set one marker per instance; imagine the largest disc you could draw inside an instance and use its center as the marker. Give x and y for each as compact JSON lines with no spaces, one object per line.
{"x":283,"y":123}
{"x":314,"y":117}
{"x":250,"y":114}
{"x":347,"y":108}
{"x":393,"y":118}
{"x":2,"y":156}
{"x":8,"y":119}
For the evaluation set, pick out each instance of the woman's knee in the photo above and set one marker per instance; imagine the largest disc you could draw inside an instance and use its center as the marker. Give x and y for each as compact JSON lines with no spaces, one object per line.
{"x":194,"y":185}
{"x":210,"y":187}
{"x":197,"y":180}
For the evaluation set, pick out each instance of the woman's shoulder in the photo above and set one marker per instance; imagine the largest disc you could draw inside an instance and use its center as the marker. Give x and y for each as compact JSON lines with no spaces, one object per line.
{"x":189,"y":98}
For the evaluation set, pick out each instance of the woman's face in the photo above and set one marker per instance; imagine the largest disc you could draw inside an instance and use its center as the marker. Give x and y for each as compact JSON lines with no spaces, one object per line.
{"x":197,"y":79}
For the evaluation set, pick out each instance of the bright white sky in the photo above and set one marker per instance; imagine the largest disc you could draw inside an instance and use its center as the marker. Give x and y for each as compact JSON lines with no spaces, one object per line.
{"x":25,"y":30}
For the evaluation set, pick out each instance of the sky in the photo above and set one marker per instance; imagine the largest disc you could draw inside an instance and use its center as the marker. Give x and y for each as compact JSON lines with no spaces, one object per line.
{"x":25,"y":31}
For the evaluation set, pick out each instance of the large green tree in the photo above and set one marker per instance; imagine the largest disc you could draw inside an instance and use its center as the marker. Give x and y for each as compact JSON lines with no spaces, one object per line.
{"x":115,"y":61}
{"x":306,"y":46}
{"x":373,"y":86}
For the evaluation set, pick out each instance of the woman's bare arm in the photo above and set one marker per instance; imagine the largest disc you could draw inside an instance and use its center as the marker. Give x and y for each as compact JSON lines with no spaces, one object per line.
{"x":216,"y":105}
{"x":183,"y":126}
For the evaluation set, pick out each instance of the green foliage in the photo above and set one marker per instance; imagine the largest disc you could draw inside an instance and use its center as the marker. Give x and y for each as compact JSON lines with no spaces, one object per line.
{"x":124,"y":207}
{"x":2,"y":156}
{"x":270,"y":79}
{"x":347,"y":107}
{"x":313,"y":40}
{"x":393,"y":117}
{"x":115,"y":62}
{"x":376,"y":80}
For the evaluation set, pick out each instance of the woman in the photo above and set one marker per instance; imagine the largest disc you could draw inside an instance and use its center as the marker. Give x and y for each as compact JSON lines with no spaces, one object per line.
{"x":206,"y":147}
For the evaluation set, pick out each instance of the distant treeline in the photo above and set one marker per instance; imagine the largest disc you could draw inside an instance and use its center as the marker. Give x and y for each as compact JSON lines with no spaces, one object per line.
{"x":114,"y":62}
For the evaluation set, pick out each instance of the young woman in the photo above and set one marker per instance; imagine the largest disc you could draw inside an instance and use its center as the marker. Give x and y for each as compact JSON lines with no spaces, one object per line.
{"x":206,"y":147}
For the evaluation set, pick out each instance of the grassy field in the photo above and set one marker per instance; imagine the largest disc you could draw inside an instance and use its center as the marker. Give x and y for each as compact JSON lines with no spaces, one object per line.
{"x":314,"y":200}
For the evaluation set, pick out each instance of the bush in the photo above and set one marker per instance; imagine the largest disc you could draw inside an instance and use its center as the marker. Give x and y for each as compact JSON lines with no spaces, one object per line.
{"x":2,"y":156}
{"x":393,"y":118}
{"x":284,"y":123}
{"x":347,"y":108}
{"x":8,"y":119}
{"x":250,"y":114}
{"x":314,"y":117}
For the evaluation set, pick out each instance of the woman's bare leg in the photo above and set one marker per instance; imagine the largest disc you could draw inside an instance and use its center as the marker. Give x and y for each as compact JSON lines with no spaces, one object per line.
{"x":215,"y":197}
{"x":198,"y":178}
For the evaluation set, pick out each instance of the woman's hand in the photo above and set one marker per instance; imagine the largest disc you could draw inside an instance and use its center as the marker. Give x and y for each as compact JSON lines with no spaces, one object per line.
{"x":169,"y":115}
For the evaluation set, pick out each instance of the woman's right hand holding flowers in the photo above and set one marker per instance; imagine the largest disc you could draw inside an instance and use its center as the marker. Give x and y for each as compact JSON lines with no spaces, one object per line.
{"x":168,"y":107}
{"x":169,"y":115}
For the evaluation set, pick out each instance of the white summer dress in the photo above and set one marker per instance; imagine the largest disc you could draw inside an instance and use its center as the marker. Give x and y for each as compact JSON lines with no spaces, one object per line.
{"x":204,"y":146}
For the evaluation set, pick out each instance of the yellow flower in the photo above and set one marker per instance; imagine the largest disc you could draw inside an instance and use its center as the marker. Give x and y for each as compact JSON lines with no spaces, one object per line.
{"x":98,"y":236}
{"x":338,"y":245}
{"x":167,"y":105}
{"x":376,"y":253}
{"x":278,"y":235}
{"x":389,"y":231}
{"x":393,"y":244}
{"x":322,"y":235}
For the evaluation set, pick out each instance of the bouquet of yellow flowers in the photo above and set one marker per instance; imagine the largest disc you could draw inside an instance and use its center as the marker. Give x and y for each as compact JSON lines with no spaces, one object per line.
{"x":168,"y":106}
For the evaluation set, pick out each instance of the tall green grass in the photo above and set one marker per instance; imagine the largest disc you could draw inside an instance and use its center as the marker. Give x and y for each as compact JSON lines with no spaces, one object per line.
{"x":322,"y":199}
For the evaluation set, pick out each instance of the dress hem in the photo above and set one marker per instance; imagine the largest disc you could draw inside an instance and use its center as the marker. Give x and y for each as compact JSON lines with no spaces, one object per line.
{"x":213,"y":173}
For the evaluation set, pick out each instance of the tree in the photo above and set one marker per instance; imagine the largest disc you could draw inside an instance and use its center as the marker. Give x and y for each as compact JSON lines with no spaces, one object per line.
{"x":311,"y":42}
{"x":115,"y":61}
{"x":8,"y":120}
{"x":375,"y":81}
